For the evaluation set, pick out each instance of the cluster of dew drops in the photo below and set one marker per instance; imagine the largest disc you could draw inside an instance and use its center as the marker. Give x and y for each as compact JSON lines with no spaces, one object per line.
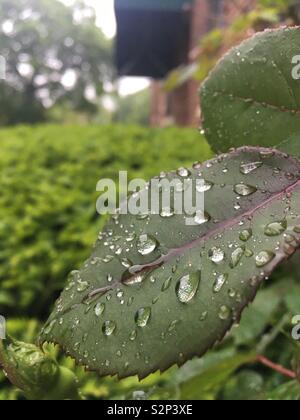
{"x":188,"y":285}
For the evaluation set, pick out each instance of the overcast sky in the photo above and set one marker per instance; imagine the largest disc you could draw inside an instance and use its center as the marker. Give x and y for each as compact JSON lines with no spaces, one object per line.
{"x":105,"y":14}
{"x":107,"y":22}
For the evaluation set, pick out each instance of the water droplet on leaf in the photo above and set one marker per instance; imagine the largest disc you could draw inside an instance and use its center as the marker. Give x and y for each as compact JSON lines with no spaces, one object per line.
{"x":142,"y":317}
{"x":109,"y":328}
{"x":166,"y":284}
{"x":82,"y":285}
{"x":99,"y":309}
{"x":245,"y":235}
{"x":219,"y":282}
{"x":173,"y":325}
{"x":183,"y":172}
{"x":263,"y":258}
{"x":203,"y":316}
{"x":276,"y":228}
{"x":224,"y":313}
{"x":167,"y":213}
{"x":244,"y":190}
{"x":187,"y":287}
{"x":126,"y":263}
{"x":146,"y":244}
{"x":201,"y":218}
{"x":133,"y":335}
{"x":248,"y":168}
{"x":216,"y":255}
{"x":232,"y":293}
{"x":236,"y":257}
{"x":204,"y":187}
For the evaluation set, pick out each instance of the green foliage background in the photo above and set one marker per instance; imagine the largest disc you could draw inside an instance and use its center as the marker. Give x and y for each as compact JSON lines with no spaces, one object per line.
{"x":47,"y":40}
{"x":48,"y":217}
{"x":48,"y":222}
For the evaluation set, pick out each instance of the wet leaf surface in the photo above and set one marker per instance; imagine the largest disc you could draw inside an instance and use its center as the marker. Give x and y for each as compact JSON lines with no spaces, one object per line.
{"x":251,"y":97}
{"x":156,"y":292}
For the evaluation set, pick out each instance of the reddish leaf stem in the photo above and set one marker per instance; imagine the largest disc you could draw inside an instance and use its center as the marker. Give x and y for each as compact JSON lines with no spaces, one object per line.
{"x":277,"y":368}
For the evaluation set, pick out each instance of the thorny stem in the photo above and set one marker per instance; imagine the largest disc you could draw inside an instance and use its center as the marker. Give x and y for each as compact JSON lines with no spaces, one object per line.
{"x":277,"y":368}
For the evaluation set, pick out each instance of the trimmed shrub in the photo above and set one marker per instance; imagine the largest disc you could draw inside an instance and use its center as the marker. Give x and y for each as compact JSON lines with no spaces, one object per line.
{"x":48,"y":217}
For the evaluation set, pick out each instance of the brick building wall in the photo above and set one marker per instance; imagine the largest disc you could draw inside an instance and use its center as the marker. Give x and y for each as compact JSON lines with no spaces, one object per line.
{"x":233,"y":8}
{"x":182,"y":105}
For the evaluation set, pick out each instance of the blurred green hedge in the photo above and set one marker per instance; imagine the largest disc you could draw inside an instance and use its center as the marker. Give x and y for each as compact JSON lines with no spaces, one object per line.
{"x":48,"y":224}
{"x":48,"y":220}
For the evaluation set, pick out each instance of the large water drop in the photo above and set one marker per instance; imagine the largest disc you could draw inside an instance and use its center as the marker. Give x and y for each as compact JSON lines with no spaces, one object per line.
{"x":244,"y":190}
{"x":146,"y":244}
{"x":142,"y":317}
{"x":187,"y":287}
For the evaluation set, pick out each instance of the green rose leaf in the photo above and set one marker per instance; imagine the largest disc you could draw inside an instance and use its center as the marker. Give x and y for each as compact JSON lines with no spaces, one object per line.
{"x":253,"y":95}
{"x":157,"y":292}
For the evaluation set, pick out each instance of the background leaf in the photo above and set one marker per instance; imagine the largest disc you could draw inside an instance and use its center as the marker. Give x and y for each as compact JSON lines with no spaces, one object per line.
{"x":251,"y":96}
{"x":204,"y":386}
{"x":244,"y":386}
{"x":256,"y":317}
{"x":292,"y":300}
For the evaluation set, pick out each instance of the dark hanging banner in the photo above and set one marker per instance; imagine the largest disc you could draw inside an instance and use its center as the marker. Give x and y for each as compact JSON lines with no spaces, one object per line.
{"x":152,"y":36}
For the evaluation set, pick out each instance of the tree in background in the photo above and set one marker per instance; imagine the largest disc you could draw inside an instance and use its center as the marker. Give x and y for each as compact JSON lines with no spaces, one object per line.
{"x":55,"y":55}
